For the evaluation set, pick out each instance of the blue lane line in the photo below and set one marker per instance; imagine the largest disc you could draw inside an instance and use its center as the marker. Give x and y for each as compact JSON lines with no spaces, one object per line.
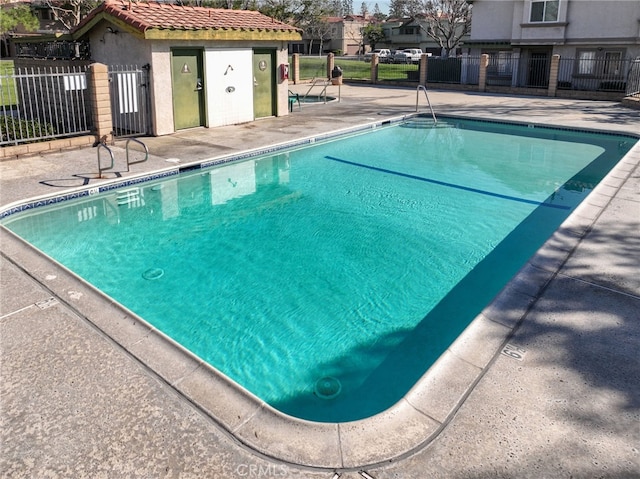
{"x":450,"y":185}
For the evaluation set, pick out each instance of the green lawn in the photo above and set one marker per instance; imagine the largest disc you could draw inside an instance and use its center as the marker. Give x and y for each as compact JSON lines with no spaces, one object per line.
{"x":7,"y":84}
{"x":316,"y":67}
{"x":313,"y":67}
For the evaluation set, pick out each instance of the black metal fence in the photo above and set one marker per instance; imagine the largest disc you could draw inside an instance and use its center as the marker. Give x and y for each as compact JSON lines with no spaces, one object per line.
{"x":506,"y":69}
{"x":594,"y":74}
{"x":43,"y":103}
{"x":633,"y":79}
{"x":62,"y":50}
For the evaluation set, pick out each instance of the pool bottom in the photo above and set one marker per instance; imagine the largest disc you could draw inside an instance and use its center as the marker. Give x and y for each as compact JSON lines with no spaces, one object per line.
{"x":411,"y":423}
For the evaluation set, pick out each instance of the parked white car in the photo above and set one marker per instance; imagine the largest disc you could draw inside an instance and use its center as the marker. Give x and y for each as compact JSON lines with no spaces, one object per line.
{"x":383,"y":54}
{"x":408,"y":55}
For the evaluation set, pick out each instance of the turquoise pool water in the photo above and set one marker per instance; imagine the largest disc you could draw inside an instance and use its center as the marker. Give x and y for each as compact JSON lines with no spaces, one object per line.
{"x":327,"y":279}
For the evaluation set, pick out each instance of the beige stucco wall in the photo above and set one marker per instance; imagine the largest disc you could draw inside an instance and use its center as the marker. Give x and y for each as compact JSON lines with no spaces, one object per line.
{"x":492,"y":20}
{"x":126,"y":49}
{"x":605,"y":22}
{"x":579,"y":22}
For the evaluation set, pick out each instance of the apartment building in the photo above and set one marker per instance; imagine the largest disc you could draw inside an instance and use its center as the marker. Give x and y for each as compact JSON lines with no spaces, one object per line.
{"x":600,"y":38}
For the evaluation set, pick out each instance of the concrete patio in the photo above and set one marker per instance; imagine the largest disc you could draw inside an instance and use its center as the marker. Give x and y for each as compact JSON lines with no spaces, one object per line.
{"x":75,"y":403}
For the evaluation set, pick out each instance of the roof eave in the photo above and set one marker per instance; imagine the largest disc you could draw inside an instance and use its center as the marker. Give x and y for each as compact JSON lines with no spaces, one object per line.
{"x":222,"y":34}
{"x":121,"y":24}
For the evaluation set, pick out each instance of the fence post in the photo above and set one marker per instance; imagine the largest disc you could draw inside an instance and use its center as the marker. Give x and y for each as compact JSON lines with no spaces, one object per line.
{"x":423,"y":70}
{"x":330,"y":64}
{"x":482,"y":80}
{"x":295,"y":68}
{"x":100,"y":101}
{"x":374,"y":68}
{"x":553,"y":75}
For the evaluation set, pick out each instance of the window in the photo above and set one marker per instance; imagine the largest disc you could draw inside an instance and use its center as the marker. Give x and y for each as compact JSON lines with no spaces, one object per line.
{"x":586,"y":62}
{"x":612,"y":63}
{"x":409,"y":31}
{"x":544,"y":11}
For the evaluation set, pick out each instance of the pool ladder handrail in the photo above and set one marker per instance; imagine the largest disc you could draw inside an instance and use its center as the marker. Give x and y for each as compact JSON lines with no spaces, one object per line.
{"x":323,"y":93}
{"x":424,"y":88}
{"x":100,"y":169}
{"x":146,"y":152}
{"x":129,"y":163}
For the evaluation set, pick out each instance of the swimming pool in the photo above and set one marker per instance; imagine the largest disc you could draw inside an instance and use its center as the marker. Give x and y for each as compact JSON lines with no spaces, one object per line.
{"x":296,"y":199}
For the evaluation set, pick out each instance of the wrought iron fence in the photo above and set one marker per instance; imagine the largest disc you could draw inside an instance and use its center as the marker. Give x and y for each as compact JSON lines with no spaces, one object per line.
{"x":392,"y":71}
{"x":594,"y":74}
{"x":455,"y":70}
{"x":633,"y":79}
{"x":313,"y":67}
{"x":38,"y":104}
{"x":54,"y":50}
{"x":507,"y":69}
{"x":130,"y":100}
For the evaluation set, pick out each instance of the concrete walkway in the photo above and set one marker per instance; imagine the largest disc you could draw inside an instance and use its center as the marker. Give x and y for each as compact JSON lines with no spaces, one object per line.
{"x":73,"y":403}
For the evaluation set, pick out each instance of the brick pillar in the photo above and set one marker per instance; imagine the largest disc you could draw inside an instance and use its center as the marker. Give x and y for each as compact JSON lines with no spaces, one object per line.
{"x":330,"y":64}
{"x":423,"y":69}
{"x":295,"y":68}
{"x":375,"y":60}
{"x":482,"y":80}
{"x":98,"y":76}
{"x":553,"y":75}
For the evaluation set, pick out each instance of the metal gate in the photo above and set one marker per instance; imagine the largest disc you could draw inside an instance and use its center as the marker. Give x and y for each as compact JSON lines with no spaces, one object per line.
{"x":633,"y":78}
{"x":130,"y":100}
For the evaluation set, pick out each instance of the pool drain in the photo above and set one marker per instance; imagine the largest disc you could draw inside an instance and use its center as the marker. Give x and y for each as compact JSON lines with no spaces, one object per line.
{"x":327,"y":387}
{"x":153,"y":273}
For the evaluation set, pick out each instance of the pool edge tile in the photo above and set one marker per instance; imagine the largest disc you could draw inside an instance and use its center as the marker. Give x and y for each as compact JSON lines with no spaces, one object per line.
{"x":479,"y":341}
{"x":385,"y":436}
{"x":308,"y":443}
{"x":450,"y":378}
{"x":227,"y":403}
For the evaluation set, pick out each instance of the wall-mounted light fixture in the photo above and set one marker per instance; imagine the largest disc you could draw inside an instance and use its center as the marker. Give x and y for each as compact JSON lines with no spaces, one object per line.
{"x":109,"y":30}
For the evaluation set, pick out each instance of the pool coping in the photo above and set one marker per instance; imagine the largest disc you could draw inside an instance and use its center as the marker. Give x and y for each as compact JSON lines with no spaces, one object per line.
{"x":409,"y":425}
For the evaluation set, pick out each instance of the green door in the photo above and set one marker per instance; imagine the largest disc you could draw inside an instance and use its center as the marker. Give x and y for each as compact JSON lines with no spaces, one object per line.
{"x":263,"y":84}
{"x":188,"y":88}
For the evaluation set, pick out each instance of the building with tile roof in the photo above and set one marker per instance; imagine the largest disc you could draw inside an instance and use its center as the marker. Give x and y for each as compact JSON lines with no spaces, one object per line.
{"x":208,"y":67}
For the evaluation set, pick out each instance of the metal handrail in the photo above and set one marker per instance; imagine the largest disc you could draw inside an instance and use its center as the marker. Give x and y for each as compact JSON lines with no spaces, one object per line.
{"x":100,"y":169}
{"x":324,"y":90}
{"x":146,"y":152}
{"x":422,"y":87}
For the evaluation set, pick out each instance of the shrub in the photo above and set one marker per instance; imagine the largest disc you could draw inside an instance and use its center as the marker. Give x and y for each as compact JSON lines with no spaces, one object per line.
{"x":12,"y":129}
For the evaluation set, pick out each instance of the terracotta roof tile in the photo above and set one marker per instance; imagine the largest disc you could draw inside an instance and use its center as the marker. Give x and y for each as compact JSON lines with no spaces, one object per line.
{"x":164,"y":16}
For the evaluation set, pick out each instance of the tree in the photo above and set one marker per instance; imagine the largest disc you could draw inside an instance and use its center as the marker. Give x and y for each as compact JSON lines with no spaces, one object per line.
{"x":364,"y":10}
{"x":347,"y":7}
{"x":377,"y":14}
{"x":397,"y":8}
{"x":447,"y":22}
{"x":405,"y":8}
{"x":282,"y":10}
{"x":373,"y":34}
{"x":71,"y":12}
{"x":11,"y":19}
{"x":413,"y":8}
{"x":313,"y":19}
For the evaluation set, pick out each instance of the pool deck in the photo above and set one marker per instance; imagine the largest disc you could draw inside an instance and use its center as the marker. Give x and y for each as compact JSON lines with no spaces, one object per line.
{"x":75,"y":403}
